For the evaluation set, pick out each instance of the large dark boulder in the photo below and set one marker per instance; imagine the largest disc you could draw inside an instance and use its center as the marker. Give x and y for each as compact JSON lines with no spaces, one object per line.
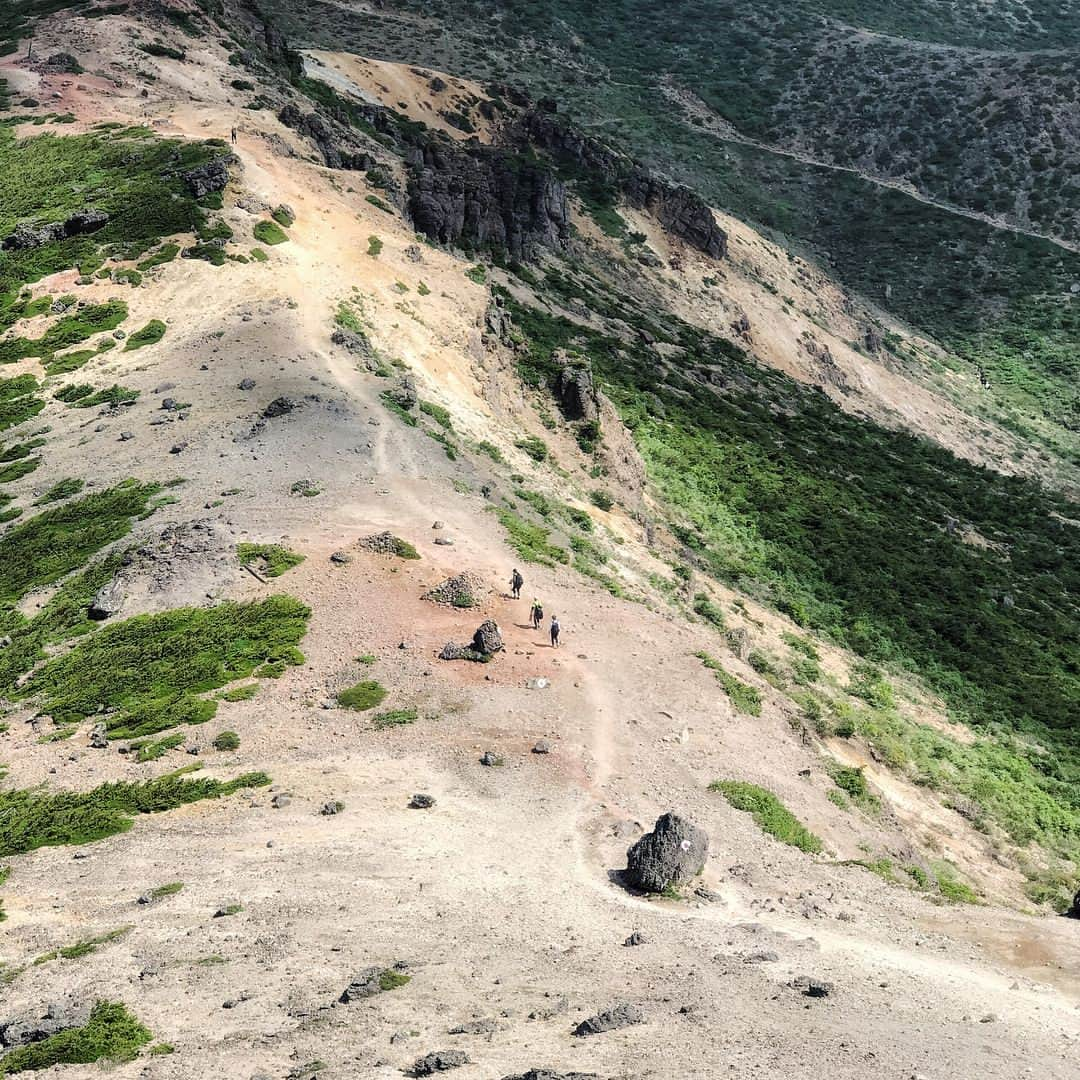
{"x":439,"y":1061}
{"x":575,"y":390}
{"x":547,"y":1074}
{"x":28,"y":235}
{"x":673,"y":853}
{"x":210,"y":177}
{"x":1074,"y":911}
{"x":488,"y":639}
{"x":333,"y":138}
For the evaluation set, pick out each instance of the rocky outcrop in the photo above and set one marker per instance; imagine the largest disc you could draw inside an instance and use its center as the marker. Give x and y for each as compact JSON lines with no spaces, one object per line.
{"x":547,"y":1074}
{"x":462,"y":591}
{"x":673,"y":853}
{"x":439,"y":1061}
{"x":41,"y":1024}
{"x":108,"y":600}
{"x":209,"y":177}
{"x":480,"y":197}
{"x":619,"y":1016}
{"x":27,"y":235}
{"x":678,"y":209}
{"x":339,"y":148}
{"x":486,"y":642}
{"x":575,"y":390}
{"x":1074,"y":911}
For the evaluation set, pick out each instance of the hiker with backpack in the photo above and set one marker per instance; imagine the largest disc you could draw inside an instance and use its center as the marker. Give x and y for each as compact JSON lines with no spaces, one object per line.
{"x":555,"y":629}
{"x":536,"y":614}
{"x":516,"y":581}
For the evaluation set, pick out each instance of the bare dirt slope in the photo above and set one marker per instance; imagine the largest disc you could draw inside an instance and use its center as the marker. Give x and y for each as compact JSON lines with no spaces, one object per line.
{"x":503,"y":899}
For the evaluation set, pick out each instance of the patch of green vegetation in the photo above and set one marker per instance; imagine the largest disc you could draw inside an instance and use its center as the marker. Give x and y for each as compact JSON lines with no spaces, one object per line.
{"x":110,"y":1034}
{"x":745,"y":699}
{"x":18,"y":402}
{"x":422,"y":289}
{"x":394,"y":718}
{"x":367,"y":659}
{"x":710,"y":612}
{"x":769,"y":813}
{"x":270,"y":233}
{"x":381,"y":204}
{"x":530,"y":541}
{"x":374,"y":246}
{"x":389,"y":979}
{"x":389,"y":399}
{"x":170,"y":889}
{"x":437,"y":413}
{"x":151,"y":751}
{"x":283,"y":216}
{"x":227,"y":910}
{"x":363,"y":696}
{"x":241,"y":693}
{"x":211,"y":253}
{"x":490,"y":450}
{"x":63,"y":490}
{"x":306,"y":488}
{"x":259,"y":255}
{"x":602,"y":500}
{"x":227,"y":740}
{"x":82,"y":948}
{"x":477,"y":274}
{"x":112,"y":395}
{"x":273,"y":559}
{"x":535,"y":447}
{"x":151,"y":668}
{"x":18,"y":469}
{"x":68,"y":330}
{"x":164,"y":254}
{"x":162,"y":51}
{"x":951,"y":887}
{"x":150,"y":334}
{"x":34,"y":818}
{"x":158,"y":1049}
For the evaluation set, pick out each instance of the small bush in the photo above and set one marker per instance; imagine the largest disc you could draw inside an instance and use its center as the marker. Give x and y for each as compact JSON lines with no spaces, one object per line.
{"x":274,"y":559}
{"x":394,"y":718}
{"x":535,"y":447}
{"x":161,"y":891}
{"x":769,"y":813}
{"x":363,"y":696}
{"x":746,"y":699}
{"x":850,"y":780}
{"x":601,"y":500}
{"x":437,"y":413}
{"x":393,"y":980}
{"x":150,"y":334}
{"x":491,"y":450}
{"x":111,"y":1033}
{"x":241,"y":693}
{"x":709,"y":611}
{"x":283,"y":216}
{"x":63,"y":490}
{"x":227,"y":740}
{"x":374,"y":246}
{"x":530,"y":541}
{"x":477,"y":274}
{"x":269,"y":232}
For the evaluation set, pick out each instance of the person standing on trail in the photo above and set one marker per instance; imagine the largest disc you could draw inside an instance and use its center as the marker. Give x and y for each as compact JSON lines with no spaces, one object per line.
{"x":537,"y":613}
{"x":555,"y":628}
{"x":234,"y":136}
{"x":516,"y":581}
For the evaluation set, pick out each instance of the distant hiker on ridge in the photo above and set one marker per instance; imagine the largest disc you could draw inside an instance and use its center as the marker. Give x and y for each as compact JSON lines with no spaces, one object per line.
{"x":555,"y":628}
{"x":516,"y":581}
{"x":537,"y":613}
{"x":234,"y":136}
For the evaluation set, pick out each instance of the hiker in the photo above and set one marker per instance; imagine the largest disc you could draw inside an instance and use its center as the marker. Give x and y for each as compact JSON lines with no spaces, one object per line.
{"x":537,"y":613}
{"x":555,"y":628}
{"x":516,"y":581}
{"x":234,"y":136}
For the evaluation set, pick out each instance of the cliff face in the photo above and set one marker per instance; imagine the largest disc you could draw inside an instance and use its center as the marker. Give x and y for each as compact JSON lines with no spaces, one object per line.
{"x":480,"y":197}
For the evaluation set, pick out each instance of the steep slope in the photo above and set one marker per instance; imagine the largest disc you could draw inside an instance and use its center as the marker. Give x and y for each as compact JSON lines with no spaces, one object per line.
{"x":674,"y":439}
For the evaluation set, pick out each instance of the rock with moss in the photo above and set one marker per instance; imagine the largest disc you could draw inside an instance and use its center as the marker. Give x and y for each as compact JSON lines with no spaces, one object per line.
{"x":372,"y":981}
{"x":462,"y":590}
{"x":672,"y":854}
{"x":1074,"y":911}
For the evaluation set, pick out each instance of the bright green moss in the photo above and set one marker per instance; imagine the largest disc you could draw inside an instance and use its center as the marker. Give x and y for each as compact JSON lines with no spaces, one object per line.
{"x":150,"y":334}
{"x":364,"y":695}
{"x":769,"y":813}
{"x":271,"y":559}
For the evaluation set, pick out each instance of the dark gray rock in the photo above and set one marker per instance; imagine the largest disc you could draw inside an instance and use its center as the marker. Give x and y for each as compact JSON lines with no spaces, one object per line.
{"x":490,"y":758}
{"x":420,"y":801}
{"x":575,"y":390}
{"x":618,"y":1016}
{"x":439,"y":1061}
{"x":40,"y":1024}
{"x":636,"y":938}
{"x":108,"y":600}
{"x":99,"y":739}
{"x":364,"y":985}
{"x":547,"y":1074}
{"x":673,"y":853}
{"x":210,"y":177}
{"x":280,"y":406}
{"x":1074,"y":911}
{"x":337,"y":144}
{"x":812,"y":987}
{"x":356,"y":343}
{"x":27,"y":235}
{"x":488,"y":639}
{"x":341,"y":558}
{"x":541,"y":746}
{"x":246,"y":384}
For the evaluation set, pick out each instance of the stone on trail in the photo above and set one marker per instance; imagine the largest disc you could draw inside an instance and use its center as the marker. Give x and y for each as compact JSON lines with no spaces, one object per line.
{"x":673,"y":853}
{"x":811,"y":987}
{"x":280,"y":406}
{"x":439,"y":1061}
{"x":488,"y":638}
{"x":490,"y":758}
{"x":462,"y":591}
{"x":636,"y":938}
{"x":420,"y":801}
{"x":368,"y":983}
{"x":108,"y":600}
{"x":547,"y":1074}
{"x":1074,"y":911}
{"x":542,"y":746}
{"x":618,"y":1016}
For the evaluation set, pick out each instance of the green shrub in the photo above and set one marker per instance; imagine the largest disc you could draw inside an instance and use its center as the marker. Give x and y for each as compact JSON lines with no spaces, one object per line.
{"x":274,"y":559}
{"x":491,"y":450}
{"x":850,"y":780}
{"x":709,"y":611}
{"x":477,"y":274}
{"x":374,"y":246}
{"x":535,"y":447}
{"x":110,"y":1034}
{"x":159,"y":892}
{"x":150,"y":334}
{"x":151,"y":668}
{"x":227,"y":740}
{"x":379,"y":203}
{"x":17,"y":400}
{"x":389,"y":979}
{"x":744,"y":698}
{"x":363,"y":696}
{"x":394,"y":718}
{"x":151,"y":751}
{"x":113,"y":395}
{"x":34,"y":818}
{"x":530,"y":541}
{"x":283,"y":216}
{"x":769,"y":813}
{"x":63,"y":490}
{"x":241,"y":693}
{"x":437,"y":413}
{"x":269,"y":232}
{"x":165,"y":254}
{"x":602,"y":500}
